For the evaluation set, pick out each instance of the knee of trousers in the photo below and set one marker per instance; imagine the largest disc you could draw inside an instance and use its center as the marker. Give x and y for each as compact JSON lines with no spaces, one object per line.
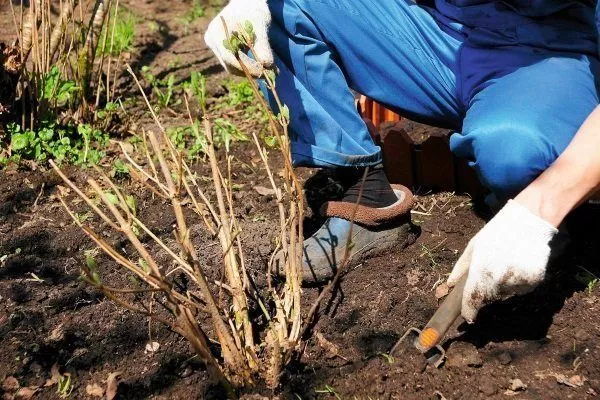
{"x":507,"y":160}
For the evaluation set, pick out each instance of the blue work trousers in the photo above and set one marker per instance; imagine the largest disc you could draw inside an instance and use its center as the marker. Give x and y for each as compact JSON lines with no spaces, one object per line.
{"x":514,"y":107}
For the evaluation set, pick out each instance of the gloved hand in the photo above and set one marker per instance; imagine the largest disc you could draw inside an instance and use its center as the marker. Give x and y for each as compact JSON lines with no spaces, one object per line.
{"x":507,"y":257}
{"x":235,"y":14}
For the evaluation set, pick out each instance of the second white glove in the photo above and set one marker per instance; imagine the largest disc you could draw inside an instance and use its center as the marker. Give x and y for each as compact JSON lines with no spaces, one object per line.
{"x":507,"y":257}
{"x":235,"y":15}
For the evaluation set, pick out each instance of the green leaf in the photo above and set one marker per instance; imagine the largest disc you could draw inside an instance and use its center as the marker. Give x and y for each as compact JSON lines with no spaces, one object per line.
{"x":95,"y":278}
{"x":46,"y":134}
{"x":84,"y":130}
{"x":144,"y":265}
{"x":285,"y":112}
{"x":91,"y":262}
{"x":249,"y":29}
{"x":271,"y":141}
{"x":131,"y":203}
{"x":19,"y":141}
{"x":112,"y":198}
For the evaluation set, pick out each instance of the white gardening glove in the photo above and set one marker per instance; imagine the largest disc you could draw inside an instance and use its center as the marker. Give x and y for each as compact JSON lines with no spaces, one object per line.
{"x":235,"y":14}
{"x":507,"y":257}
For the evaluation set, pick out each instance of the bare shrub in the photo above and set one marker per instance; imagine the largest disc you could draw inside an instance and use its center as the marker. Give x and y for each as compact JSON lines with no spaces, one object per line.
{"x":245,"y":354}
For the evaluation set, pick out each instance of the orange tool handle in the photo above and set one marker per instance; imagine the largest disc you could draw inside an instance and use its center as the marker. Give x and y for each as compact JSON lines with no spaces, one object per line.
{"x":444,"y":317}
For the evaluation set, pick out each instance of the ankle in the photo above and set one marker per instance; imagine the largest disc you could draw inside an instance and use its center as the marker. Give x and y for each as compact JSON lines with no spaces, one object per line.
{"x":370,"y":184}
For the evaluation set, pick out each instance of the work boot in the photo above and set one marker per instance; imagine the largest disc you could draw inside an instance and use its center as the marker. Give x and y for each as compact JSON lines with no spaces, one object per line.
{"x":374,"y":231}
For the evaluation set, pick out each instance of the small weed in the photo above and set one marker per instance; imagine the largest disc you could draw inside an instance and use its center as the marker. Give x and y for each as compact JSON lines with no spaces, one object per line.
{"x":56,"y":90}
{"x":82,"y":217}
{"x":196,"y":87}
{"x":328,"y":390}
{"x":387,"y":357}
{"x":240,"y":97}
{"x":119,"y":170}
{"x":592,"y":285}
{"x":124,"y":33}
{"x":587,"y":278}
{"x":238,"y":93}
{"x":163,"y":88}
{"x":65,"y":386}
{"x":79,"y":145}
{"x":429,"y":253}
{"x":197,"y":11}
{"x":109,"y":109}
{"x":271,"y":141}
{"x":189,"y":139}
{"x":226,"y":132}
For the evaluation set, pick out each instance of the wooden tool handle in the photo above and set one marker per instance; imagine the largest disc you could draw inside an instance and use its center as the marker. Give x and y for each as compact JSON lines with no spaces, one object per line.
{"x":443,"y":318}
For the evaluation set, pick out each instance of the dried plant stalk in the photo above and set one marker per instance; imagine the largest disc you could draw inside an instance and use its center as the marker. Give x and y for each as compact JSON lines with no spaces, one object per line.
{"x":29,"y":24}
{"x":60,"y":26}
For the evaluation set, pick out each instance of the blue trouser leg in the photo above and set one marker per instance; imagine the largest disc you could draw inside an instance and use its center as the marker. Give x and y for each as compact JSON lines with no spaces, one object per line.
{"x":519,"y":123}
{"x":521,"y":106}
{"x":394,"y":52}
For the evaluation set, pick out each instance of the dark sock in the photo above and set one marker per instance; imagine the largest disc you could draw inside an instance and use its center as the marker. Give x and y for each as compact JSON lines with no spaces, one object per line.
{"x":376,"y":191}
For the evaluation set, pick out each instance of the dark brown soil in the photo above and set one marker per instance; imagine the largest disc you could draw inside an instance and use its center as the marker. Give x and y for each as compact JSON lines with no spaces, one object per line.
{"x":549,"y":339}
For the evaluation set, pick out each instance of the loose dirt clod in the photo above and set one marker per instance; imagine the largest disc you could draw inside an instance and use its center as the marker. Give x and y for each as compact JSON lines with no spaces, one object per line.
{"x":26,"y":393}
{"x":94,"y":390}
{"x":574,"y":381}
{"x":463,"y":354}
{"x":152,"y":347}
{"x":264,"y":191}
{"x":441,"y":291}
{"x":488,"y":386}
{"x":331,"y":349}
{"x":10,"y":384}
{"x":57,"y":334}
{"x":505,"y":358}
{"x":517,"y":385}
{"x":54,"y":376}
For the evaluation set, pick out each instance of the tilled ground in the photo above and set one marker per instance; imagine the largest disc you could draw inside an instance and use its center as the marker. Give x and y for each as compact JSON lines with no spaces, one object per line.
{"x":544,"y":345}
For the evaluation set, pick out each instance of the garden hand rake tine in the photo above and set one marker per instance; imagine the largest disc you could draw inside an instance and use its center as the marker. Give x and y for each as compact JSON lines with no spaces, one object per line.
{"x":428,"y":340}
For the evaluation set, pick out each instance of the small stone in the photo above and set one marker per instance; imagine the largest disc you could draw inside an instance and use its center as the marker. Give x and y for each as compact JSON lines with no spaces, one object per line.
{"x":505,"y":358}
{"x":94,"y":390}
{"x":574,"y":381}
{"x":57,"y":334}
{"x":463,"y":354}
{"x":152,"y":347}
{"x":441,"y":291}
{"x":517,"y":385}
